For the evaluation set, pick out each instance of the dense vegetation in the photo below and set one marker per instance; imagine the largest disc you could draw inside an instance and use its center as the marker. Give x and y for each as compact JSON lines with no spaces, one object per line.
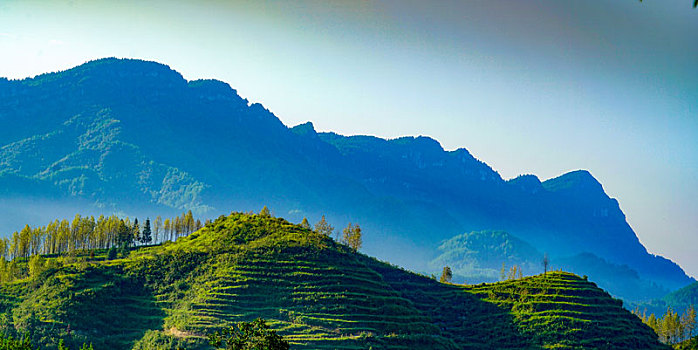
{"x":132,"y":136}
{"x":666,"y":314}
{"x":315,"y":292}
{"x":65,"y":239}
{"x":672,"y":327}
{"x":248,"y":335}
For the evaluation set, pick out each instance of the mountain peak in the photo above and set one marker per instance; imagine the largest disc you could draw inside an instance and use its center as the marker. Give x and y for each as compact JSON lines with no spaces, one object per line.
{"x":424,"y":143}
{"x":578,"y":181}
{"x":126,"y":67}
{"x":113,"y":76}
{"x":305,"y":129}
{"x":527,"y":183}
{"x":216,"y":90}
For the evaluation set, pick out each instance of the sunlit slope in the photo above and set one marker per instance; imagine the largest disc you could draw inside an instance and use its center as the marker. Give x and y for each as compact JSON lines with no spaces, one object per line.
{"x":315,"y":292}
{"x":323,"y":295}
{"x":562,"y":310}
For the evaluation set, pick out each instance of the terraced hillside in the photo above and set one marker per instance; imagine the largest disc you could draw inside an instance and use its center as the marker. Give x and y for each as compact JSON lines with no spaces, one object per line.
{"x":561,"y":310}
{"x":315,"y":292}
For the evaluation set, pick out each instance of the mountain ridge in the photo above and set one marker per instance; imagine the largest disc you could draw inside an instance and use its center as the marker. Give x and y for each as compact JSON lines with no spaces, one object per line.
{"x":149,"y":141}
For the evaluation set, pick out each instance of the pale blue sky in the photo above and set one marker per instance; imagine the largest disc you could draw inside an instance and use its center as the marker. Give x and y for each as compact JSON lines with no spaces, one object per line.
{"x":539,"y":87}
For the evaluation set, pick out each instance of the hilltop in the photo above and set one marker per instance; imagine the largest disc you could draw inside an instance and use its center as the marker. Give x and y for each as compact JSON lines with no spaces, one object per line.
{"x":134,"y":137}
{"x":317,"y":293}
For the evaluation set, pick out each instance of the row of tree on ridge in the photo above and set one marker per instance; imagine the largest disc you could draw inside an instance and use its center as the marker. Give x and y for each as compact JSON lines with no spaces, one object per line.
{"x":86,"y":232}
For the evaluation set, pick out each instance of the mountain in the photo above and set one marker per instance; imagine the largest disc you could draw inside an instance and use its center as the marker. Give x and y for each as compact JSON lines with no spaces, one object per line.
{"x":679,"y":301}
{"x":316,"y":293}
{"x":483,"y":256}
{"x":480,"y":256}
{"x":136,"y":138}
{"x":683,"y":297}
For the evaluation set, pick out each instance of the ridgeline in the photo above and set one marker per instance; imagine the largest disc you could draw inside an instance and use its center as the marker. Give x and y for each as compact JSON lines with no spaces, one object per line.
{"x":315,"y":292}
{"x":131,"y":136}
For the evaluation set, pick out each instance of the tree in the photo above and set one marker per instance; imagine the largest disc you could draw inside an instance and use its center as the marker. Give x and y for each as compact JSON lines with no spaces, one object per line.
{"x":177,"y":227}
{"x":125,"y":237}
{"x":323,"y":228}
{"x":111,"y":253}
{"x":156,"y":228}
{"x":248,"y":336}
{"x":346,"y":233}
{"x":146,"y":236}
{"x":136,"y":229}
{"x":305,"y":224}
{"x":265,"y":212}
{"x":36,"y":266}
{"x":546,"y":262}
{"x":24,"y":241}
{"x":514,"y":271}
{"x":167,"y":227}
{"x":690,"y":320}
{"x":189,"y":222}
{"x":446,"y":275}
{"x":351,"y":236}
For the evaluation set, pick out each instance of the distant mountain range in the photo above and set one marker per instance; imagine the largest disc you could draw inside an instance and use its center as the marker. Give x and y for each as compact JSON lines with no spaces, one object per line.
{"x":135,"y":137}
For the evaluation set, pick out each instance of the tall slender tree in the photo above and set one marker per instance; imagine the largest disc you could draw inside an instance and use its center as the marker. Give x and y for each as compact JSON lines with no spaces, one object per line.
{"x":167,"y":227}
{"x":546,"y":262}
{"x":146,"y":236}
{"x":156,"y":228}
{"x":136,"y":230}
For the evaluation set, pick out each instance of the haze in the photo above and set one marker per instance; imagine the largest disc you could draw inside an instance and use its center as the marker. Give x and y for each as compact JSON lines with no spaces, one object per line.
{"x":542,"y":87}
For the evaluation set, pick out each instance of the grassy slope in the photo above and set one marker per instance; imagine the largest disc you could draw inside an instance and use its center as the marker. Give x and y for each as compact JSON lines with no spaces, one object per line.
{"x":318,"y":294}
{"x":561,"y":310}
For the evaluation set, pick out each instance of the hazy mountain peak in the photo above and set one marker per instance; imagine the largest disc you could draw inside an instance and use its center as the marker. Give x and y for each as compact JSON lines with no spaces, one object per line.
{"x":577,"y":182}
{"x":123,"y":69}
{"x":216,"y":90}
{"x":305,"y":129}
{"x":527,"y":183}
{"x":424,"y":143}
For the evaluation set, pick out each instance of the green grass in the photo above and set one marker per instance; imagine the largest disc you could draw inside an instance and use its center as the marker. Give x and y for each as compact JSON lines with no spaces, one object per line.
{"x":561,"y":310}
{"x":316,"y":293}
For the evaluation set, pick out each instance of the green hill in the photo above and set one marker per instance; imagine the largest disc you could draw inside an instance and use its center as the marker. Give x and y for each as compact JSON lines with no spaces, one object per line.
{"x":315,"y":292}
{"x":682,"y":298}
{"x":561,"y":310}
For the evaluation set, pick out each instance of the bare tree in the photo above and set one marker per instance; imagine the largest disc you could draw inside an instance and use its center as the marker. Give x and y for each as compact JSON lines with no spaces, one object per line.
{"x":546,"y":263}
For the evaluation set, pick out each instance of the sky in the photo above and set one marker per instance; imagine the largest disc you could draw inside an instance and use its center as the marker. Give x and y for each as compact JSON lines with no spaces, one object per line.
{"x":534,"y":87}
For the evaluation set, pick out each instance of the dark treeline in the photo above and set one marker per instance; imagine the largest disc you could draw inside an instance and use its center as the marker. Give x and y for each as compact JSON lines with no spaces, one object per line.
{"x":84,"y":233}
